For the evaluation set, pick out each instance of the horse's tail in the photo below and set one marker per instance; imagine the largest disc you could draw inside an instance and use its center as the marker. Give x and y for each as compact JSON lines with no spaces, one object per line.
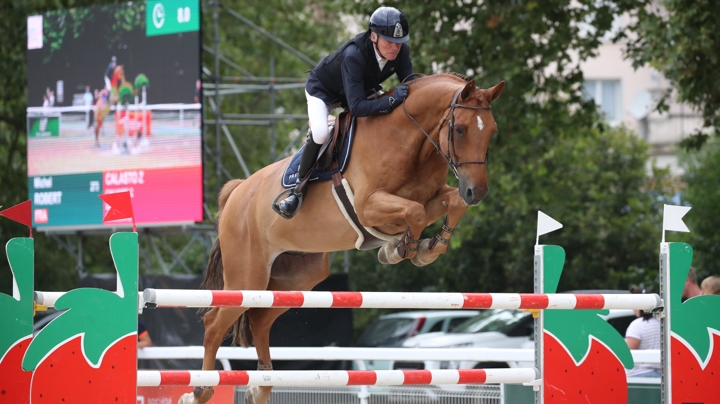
{"x":214,"y":272}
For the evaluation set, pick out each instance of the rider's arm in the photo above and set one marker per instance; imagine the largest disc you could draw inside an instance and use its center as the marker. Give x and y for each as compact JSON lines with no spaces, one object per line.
{"x":353,"y":69}
{"x":405,"y":67}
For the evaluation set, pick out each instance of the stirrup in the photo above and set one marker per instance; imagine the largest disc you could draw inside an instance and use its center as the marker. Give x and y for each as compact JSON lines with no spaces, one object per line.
{"x":282,"y":195}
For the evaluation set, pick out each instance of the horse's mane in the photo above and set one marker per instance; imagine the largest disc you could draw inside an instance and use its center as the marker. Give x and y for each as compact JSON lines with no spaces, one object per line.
{"x":462,"y":76}
{"x":451,"y":77}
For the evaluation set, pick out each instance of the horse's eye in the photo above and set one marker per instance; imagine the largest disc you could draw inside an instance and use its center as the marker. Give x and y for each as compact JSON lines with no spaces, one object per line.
{"x":459,"y":130}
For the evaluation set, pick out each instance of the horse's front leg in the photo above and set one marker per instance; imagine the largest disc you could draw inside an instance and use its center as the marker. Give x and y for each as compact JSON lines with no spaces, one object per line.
{"x":382,"y":209}
{"x":446,"y":201}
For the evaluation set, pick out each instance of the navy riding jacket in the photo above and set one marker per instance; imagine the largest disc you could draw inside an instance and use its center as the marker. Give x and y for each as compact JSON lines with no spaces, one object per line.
{"x":351,"y":74}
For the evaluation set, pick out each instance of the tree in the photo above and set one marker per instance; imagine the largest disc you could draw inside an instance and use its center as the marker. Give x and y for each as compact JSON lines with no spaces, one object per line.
{"x":553,"y":152}
{"x":703,"y":194}
{"x":679,"y":38}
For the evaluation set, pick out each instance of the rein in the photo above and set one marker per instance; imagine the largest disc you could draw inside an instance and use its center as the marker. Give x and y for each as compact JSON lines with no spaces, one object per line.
{"x":451,"y":157}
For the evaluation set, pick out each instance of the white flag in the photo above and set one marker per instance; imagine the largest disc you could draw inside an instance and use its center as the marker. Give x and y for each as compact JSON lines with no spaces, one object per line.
{"x":672,"y":219}
{"x":545,"y":224}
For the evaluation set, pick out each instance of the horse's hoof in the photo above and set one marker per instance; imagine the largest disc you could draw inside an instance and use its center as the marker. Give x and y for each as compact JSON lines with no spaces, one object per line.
{"x":250,"y":397}
{"x":387,"y":254}
{"x":257,"y":395}
{"x":188,"y":398}
{"x":424,"y":252}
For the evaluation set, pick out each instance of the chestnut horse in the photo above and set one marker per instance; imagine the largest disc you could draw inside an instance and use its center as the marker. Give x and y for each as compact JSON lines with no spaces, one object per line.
{"x":398,"y":175}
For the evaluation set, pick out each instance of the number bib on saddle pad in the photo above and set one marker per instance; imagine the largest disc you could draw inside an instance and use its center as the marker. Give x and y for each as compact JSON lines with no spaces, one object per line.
{"x":289,"y":177}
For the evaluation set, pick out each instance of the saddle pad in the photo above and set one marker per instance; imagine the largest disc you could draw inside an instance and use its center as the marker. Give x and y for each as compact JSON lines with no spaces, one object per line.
{"x":289,"y":177}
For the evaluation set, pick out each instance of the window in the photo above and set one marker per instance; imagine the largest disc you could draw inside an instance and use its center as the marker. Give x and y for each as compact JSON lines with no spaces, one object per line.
{"x":491,"y":320}
{"x":607,"y":96}
{"x":456,"y":322}
{"x":386,"y":332}
{"x":437,"y":327}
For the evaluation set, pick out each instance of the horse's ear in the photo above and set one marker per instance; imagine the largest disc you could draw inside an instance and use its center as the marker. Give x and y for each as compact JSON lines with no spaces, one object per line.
{"x":494,"y":92}
{"x":468,"y":91}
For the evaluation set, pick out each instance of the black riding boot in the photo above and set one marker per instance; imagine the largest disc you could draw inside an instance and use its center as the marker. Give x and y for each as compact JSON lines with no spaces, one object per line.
{"x":289,"y":205}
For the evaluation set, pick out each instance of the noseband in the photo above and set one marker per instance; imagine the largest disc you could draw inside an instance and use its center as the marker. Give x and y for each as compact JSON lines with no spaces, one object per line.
{"x":451,"y":157}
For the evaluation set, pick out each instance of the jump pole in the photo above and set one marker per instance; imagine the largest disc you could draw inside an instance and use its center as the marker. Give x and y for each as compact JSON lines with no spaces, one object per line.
{"x":675,"y":255}
{"x":311,"y":378}
{"x":174,"y":298}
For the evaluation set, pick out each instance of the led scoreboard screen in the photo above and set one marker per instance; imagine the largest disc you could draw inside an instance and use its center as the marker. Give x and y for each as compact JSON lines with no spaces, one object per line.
{"x":114,"y":105}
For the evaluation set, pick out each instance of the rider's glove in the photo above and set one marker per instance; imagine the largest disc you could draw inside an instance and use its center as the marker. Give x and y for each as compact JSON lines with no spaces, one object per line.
{"x":400,"y":94}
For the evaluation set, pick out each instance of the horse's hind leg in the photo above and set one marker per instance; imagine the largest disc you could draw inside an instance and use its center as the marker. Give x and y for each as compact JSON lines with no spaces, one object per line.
{"x":289,"y":272}
{"x":217,"y":322}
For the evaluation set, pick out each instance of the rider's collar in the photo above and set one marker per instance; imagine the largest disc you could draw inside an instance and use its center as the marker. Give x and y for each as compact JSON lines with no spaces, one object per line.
{"x":381,"y":60}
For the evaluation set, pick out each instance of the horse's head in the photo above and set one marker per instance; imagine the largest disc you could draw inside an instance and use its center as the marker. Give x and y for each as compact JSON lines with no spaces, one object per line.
{"x":465,"y":138}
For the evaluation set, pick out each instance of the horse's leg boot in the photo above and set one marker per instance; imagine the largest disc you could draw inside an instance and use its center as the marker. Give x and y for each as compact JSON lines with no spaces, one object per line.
{"x":289,"y":205}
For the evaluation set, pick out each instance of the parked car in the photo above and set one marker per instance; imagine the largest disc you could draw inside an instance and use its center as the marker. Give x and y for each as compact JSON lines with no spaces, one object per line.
{"x":391,"y":330}
{"x":492,"y":329}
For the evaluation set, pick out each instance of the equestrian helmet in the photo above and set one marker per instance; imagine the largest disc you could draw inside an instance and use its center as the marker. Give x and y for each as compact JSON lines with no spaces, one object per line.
{"x":391,"y":24}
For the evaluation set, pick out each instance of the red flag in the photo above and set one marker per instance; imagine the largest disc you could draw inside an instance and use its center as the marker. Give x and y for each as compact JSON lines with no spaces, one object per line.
{"x":120,"y":207}
{"x":21,"y":213}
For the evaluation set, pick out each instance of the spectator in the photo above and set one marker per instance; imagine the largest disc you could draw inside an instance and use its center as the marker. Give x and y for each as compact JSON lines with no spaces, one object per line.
{"x":144,"y":340}
{"x":643,"y":333}
{"x":691,"y":288}
{"x":88,"y":101}
{"x":50,"y":96}
{"x":711,"y":285}
{"x":109,"y":73}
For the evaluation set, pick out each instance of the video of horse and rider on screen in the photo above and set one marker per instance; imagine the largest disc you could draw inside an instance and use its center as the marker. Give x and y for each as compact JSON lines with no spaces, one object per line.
{"x":114,"y":104}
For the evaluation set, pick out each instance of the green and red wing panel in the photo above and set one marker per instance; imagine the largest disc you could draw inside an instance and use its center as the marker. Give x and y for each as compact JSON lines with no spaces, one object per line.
{"x":692,"y":380}
{"x":15,"y":382}
{"x":66,"y":376}
{"x":584,"y":357}
{"x":598,"y":378}
{"x":16,"y":317}
{"x":89,"y":352}
{"x":695,"y":335}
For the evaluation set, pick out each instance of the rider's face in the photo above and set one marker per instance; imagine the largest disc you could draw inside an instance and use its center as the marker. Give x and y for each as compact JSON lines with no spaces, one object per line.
{"x":386,"y":48}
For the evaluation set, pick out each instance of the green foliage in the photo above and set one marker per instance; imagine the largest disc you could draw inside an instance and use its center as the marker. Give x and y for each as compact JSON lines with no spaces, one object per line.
{"x":703,"y":194}
{"x":680,"y":39}
{"x":552,"y":153}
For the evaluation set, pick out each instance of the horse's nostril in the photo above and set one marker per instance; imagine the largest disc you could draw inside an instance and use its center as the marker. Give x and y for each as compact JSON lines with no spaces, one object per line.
{"x":469,"y":194}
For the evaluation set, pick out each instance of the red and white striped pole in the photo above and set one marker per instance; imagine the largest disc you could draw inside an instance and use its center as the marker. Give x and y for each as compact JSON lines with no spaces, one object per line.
{"x":396,"y":300}
{"x":334,"y":378}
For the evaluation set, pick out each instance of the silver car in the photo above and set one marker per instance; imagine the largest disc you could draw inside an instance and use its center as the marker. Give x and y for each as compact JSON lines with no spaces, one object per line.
{"x":494,"y":328}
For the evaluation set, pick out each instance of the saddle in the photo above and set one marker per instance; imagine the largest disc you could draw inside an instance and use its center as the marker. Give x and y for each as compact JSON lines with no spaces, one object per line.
{"x":330,"y":164}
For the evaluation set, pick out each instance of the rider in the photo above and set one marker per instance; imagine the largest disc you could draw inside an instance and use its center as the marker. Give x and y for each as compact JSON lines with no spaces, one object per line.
{"x":350,"y":77}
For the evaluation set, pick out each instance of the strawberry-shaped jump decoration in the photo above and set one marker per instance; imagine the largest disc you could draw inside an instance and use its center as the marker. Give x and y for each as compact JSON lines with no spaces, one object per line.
{"x":694,"y":337}
{"x":584,"y":355}
{"x":90,"y":350}
{"x":16,"y":316}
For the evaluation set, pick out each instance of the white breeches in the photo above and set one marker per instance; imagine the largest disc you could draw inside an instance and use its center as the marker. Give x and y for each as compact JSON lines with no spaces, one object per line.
{"x":318,"y":114}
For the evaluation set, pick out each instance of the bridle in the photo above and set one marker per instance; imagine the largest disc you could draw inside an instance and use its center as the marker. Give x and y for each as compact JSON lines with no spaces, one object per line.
{"x":451,"y":157}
